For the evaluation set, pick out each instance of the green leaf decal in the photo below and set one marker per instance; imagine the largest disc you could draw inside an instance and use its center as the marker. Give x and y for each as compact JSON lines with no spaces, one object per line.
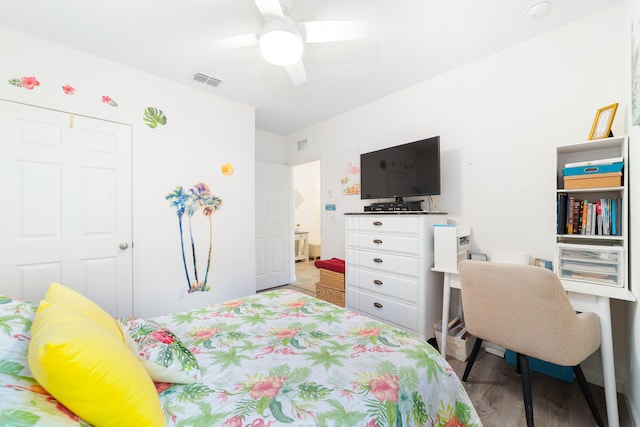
{"x":10,"y":368}
{"x":17,"y":418}
{"x":154,"y":117}
{"x":276,"y":410}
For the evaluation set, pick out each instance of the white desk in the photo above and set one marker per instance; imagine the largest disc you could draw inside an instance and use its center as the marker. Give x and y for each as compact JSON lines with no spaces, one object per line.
{"x":583,"y":298}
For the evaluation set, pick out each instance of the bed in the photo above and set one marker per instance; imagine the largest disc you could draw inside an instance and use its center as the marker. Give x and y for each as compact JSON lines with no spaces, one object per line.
{"x":271,"y":359}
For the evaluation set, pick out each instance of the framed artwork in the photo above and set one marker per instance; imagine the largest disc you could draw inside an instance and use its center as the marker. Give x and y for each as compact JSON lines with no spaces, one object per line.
{"x":350,"y":179}
{"x":602,"y":123}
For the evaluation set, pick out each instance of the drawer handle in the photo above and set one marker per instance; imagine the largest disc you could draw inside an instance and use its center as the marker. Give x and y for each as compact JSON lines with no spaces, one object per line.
{"x":377,"y":241}
{"x":377,"y":305}
{"x":377,"y":223}
{"x":377,"y":260}
{"x":377,"y":282}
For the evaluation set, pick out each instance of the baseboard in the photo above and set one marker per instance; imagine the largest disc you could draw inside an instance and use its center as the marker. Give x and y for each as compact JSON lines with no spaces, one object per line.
{"x":597,"y":379}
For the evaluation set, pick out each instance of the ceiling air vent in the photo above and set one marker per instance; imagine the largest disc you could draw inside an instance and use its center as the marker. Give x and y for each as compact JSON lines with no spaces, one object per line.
{"x":199,"y":77}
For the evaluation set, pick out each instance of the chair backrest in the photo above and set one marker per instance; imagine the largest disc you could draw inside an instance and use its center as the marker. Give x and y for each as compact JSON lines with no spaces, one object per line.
{"x":526,"y":309}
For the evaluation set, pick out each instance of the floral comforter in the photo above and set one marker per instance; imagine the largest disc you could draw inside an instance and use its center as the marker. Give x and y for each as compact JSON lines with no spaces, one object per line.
{"x":273,"y":359}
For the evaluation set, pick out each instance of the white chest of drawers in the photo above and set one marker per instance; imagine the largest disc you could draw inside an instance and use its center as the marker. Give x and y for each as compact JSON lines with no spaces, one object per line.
{"x":388,"y":269}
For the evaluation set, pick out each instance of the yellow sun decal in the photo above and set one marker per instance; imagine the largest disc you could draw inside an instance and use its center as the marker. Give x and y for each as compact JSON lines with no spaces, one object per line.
{"x":227,"y":169}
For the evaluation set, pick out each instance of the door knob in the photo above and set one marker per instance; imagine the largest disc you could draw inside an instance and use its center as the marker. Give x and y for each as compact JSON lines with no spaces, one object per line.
{"x":123,"y":246}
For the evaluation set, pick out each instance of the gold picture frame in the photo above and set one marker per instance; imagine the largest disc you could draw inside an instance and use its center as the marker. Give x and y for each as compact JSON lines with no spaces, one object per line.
{"x":601,"y":127}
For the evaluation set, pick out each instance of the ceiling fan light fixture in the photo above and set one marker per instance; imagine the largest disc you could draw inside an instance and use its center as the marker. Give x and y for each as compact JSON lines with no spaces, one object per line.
{"x":281,"y":47}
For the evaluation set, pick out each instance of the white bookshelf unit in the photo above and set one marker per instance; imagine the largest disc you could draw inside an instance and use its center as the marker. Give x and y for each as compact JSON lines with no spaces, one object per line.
{"x":388,"y":269}
{"x":595,"y":263}
{"x":593,"y":268}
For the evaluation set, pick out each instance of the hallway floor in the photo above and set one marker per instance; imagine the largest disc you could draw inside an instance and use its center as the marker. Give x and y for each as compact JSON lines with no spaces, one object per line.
{"x":306,"y":277}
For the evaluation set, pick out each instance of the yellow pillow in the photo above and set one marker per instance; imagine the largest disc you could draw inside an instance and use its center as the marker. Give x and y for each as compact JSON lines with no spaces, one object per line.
{"x":89,"y":370}
{"x":58,"y":293}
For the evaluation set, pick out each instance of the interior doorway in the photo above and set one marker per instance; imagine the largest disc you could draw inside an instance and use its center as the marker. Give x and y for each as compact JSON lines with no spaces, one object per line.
{"x":307,"y":223}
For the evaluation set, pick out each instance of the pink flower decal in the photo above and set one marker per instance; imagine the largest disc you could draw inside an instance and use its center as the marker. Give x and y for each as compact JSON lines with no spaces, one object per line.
{"x":69,"y":90}
{"x":204,"y":334}
{"x":160,"y":387}
{"x":259,"y":423}
{"x":384,"y":388}
{"x":163,"y":337}
{"x":108,"y":100}
{"x":268,"y":388}
{"x":25,"y":82}
{"x":369,"y":332}
{"x":453,"y":422}
{"x":297,"y":304}
{"x":287,"y":333}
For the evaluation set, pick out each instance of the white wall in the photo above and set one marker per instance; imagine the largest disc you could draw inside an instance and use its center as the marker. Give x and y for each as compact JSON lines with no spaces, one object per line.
{"x":500,"y":119}
{"x":270,"y":148}
{"x":203,"y":132}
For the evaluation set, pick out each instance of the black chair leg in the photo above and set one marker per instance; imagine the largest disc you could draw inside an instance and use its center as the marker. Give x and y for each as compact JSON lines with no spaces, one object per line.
{"x":526,"y":388}
{"x":577,"y":370}
{"x":472,"y":358}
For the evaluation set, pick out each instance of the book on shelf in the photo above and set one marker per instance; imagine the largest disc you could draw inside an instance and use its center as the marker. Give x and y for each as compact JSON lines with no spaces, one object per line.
{"x":601,"y":217}
{"x":594,"y":162}
{"x":562,"y":214}
{"x":570,"y":215}
{"x":577,"y":221}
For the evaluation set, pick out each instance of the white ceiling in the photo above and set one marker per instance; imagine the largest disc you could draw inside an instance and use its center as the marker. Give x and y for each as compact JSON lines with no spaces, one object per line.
{"x":409,"y":41}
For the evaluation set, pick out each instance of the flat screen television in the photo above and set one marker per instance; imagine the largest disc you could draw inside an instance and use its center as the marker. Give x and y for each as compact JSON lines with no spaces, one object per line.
{"x":405,"y":170}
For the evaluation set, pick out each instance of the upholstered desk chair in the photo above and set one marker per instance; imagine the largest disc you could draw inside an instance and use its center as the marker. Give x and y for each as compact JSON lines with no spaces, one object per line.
{"x":526,"y":309}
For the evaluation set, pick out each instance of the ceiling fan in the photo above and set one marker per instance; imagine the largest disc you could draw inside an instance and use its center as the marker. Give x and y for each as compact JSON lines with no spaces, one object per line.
{"x":282,"y":40}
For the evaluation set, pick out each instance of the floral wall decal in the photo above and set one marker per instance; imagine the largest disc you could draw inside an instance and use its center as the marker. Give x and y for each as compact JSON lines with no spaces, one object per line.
{"x":25,"y":82}
{"x":227,"y":169}
{"x":108,"y":100}
{"x":197,"y":199}
{"x":154,"y":117}
{"x":69,"y":90}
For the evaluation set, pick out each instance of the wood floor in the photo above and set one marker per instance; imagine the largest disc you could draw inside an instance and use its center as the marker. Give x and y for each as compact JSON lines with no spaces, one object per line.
{"x":496,"y":390}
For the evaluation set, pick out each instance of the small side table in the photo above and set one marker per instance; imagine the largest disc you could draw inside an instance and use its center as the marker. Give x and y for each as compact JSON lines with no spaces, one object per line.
{"x":302,"y":246}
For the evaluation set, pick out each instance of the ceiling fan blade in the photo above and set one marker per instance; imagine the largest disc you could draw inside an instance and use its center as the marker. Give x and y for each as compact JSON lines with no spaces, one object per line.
{"x":244,"y":40}
{"x":332,"y":31}
{"x":297,"y":73}
{"x":270,"y":8}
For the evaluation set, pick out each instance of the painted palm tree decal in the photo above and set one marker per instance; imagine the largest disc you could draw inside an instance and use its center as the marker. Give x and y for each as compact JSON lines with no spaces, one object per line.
{"x":178,"y":199}
{"x":196,"y":199}
{"x":209,"y":204}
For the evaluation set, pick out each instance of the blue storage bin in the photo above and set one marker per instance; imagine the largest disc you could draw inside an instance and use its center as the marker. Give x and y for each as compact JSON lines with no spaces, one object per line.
{"x":593,"y":169}
{"x":564,"y":373}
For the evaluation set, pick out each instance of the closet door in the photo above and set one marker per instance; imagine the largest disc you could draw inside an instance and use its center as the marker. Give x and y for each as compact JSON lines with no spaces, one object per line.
{"x":66,"y":207}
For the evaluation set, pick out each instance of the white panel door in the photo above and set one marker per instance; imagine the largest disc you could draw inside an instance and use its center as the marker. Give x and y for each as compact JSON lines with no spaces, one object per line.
{"x":66,"y":211}
{"x":274,"y":233}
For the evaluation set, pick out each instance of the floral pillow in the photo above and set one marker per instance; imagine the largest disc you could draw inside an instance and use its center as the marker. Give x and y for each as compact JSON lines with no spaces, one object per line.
{"x":162,"y":354}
